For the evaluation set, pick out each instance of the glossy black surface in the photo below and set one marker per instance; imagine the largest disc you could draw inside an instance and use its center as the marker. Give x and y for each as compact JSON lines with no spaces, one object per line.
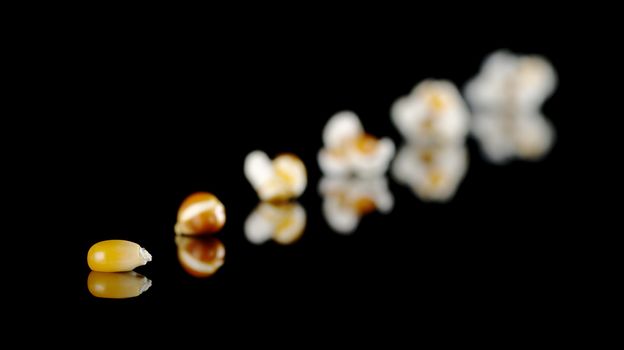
{"x":158,"y":130}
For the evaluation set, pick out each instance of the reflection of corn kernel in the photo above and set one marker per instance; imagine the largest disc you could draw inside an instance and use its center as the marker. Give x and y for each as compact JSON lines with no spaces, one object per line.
{"x":117,"y":256}
{"x":117,"y":285}
{"x":200,"y":257}
{"x":200,"y":213}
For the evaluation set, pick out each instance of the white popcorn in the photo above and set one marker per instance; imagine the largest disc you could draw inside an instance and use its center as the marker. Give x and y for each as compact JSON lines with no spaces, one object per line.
{"x":281,"y":179}
{"x":349,"y":150}
{"x":434,"y":113}
{"x":506,"y":98}
{"x":347,"y":200}
{"x":283,"y":222}
{"x":509,"y":81}
{"x":432,"y":172}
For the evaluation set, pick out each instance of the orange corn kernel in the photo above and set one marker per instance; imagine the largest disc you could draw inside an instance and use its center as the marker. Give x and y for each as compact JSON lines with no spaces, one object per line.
{"x":200,"y":213}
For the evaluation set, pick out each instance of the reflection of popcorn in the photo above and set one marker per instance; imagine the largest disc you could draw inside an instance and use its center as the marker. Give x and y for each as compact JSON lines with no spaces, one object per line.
{"x":284,"y":222}
{"x":433,"y":113}
{"x":508,"y":81}
{"x":349,"y":150}
{"x":434,"y":172}
{"x":281,"y":179}
{"x":346,"y":200}
{"x":529,"y":137}
{"x":506,"y":96}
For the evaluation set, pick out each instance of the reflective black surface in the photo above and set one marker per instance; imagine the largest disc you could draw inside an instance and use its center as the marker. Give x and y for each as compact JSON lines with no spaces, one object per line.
{"x":157,"y":132}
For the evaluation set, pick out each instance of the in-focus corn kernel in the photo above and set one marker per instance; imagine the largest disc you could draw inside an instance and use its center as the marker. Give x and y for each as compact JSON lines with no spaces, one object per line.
{"x":117,"y":256}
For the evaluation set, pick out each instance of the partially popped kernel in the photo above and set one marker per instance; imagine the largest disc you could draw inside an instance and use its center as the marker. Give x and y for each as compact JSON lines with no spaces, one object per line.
{"x":280,"y":179}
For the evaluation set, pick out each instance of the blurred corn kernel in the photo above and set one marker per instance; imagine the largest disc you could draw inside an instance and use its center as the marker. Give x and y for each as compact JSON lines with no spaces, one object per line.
{"x":200,"y":213}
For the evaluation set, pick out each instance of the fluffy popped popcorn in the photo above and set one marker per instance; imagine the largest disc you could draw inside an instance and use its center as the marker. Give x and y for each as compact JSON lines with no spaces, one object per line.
{"x":348,"y":150}
{"x":433,"y":113}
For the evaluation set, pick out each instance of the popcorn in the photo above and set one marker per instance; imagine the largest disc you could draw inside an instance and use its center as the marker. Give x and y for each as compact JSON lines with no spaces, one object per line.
{"x":432,"y":172}
{"x":509,"y":82}
{"x":349,"y":150}
{"x":347,"y":200}
{"x":282,"y":179}
{"x":434,"y":120}
{"x":506,"y":97}
{"x":283,"y":222}
{"x":434,"y":113}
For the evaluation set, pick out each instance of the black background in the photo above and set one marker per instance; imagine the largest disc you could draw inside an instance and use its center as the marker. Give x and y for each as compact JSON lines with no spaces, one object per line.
{"x":161,"y":121}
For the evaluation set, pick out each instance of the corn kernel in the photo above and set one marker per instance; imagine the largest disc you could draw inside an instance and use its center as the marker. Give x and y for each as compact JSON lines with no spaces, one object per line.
{"x":117,"y":285}
{"x":200,"y":213}
{"x":117,"y":256}
{"x":200,"y":257}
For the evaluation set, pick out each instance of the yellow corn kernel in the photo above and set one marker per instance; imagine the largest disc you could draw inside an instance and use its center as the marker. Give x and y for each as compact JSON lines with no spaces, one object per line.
{"x":117,"y":285}
{"x":117,"y":256}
